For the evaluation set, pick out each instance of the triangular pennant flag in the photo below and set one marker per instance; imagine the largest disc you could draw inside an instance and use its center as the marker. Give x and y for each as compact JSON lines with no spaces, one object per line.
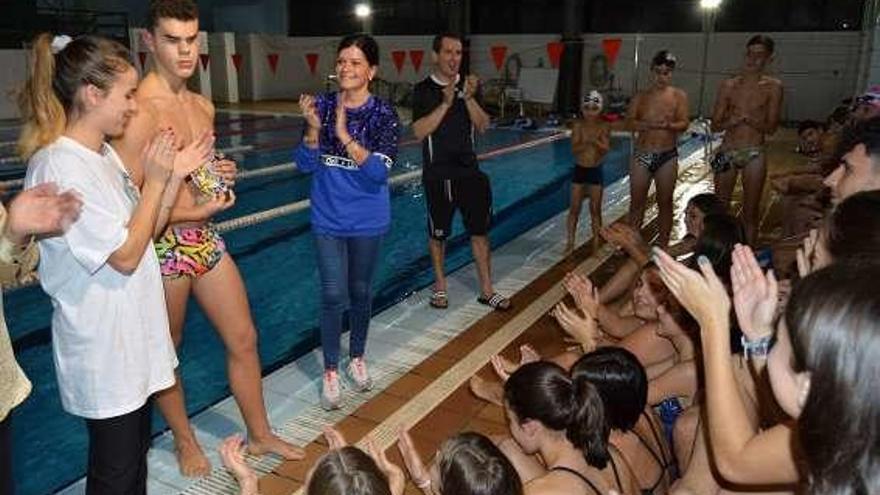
{"x":236,"y":60}
{"x":312,"y":60}
{"x":611,"y":47}
{"x":499,"y":52}
{"x":399,"y":57}
{"x":416,"y":56}
{"x":204,"y":57}
{"x":142,"y":56}
{"x":554,"y":51}
{"x":273,"y":61}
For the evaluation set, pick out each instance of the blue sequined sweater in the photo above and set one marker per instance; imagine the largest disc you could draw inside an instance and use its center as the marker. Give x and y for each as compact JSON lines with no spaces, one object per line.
{"x":348,"y":199}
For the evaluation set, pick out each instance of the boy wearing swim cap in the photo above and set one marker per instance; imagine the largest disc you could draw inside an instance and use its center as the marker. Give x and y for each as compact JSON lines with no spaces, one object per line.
{"x":657,"y":116}
{"x":590,"y":141}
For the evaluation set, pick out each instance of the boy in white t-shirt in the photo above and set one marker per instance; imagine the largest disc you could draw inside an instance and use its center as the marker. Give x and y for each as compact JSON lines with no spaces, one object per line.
{"x":111,"y":343}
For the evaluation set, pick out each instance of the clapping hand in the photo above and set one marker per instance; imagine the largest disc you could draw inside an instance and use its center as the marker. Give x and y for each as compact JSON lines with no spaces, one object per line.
{"x":158,"y":158}
{"x":808,"y":259}
{"x":755,"y":294}
{"x":585,"y":294}
{"x":583,"y":329}
{"x":471,"y":83}
{"x":309,"y":110}
{"x":194,"y":155}
{"x":41,"y":210}
{"x":396,"y":478}
{"x":701,"y":293}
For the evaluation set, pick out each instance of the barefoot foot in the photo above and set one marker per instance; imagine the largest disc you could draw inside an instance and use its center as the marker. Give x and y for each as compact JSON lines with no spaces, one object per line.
{"x":272,"y":443}
{"x":191,"y":461}
{"x":486,"y":390}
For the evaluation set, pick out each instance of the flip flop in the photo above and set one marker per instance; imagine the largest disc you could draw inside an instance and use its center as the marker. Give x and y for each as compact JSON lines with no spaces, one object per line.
{"x":496,"y":301}
{"x":439,"y":299}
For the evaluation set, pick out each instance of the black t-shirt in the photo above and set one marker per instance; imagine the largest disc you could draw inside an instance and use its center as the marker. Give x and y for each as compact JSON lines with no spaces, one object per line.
{"x":448,"y":152}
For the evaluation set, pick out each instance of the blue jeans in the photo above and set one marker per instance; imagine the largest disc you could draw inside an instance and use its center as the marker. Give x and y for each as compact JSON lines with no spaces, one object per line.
{"x":346,"y":266}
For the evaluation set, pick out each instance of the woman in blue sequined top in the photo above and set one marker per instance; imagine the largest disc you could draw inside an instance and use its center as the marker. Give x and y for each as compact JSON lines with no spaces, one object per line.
{"x":349,"y":146}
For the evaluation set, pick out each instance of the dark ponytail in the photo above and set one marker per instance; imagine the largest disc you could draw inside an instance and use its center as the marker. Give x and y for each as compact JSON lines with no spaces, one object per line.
{"x":542,"y":391}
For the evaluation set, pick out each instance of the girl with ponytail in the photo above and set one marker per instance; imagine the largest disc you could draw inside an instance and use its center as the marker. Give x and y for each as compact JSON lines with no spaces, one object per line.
{"x":564,"y":421}
{"x":110,"y":338}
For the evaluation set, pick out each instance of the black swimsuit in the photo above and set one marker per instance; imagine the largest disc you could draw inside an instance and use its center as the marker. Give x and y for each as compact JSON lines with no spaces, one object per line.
{"x":660,"y":458}
{"x":579,"y":475}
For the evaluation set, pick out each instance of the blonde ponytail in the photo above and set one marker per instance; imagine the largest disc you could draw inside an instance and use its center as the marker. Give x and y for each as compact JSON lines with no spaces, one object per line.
{"x":42,"y":111}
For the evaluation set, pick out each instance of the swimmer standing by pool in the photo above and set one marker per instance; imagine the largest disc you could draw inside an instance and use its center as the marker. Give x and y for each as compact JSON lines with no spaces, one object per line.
{"x":657,"y":115}
{"x":192,"y":255}
{"x":590,"y":142}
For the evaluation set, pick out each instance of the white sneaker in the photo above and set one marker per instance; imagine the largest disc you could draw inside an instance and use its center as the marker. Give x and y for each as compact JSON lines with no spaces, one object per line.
{"x":357,"y":370}
{"x":330,"y":393}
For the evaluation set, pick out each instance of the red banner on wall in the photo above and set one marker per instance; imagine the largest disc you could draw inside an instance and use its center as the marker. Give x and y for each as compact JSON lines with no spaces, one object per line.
{"x":611,"y":47}
{"x":416,"y":56}
{"x":204,"y":57}
{"x":399,"y":57}
{"x":312,"y":61}
{"x":499,"y":53}
{"x":236,"y":60}
{"x":273,"y":61}
{"x":142,"y":56}
{"x":554,"y":51}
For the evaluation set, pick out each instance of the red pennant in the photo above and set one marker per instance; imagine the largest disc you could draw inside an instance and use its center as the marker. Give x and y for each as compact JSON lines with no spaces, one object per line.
{"x":416,"y":56}
{"x":499,"y":52}
{"x":273,"y":61}
{"x":142,"y":56}
{"x":554,"y":51}
{"x":399,"y":57}
{"x":611,"y":47}
{"x":236,"y":60}
{"x":312,"y":60}
{"x":204,"y":57}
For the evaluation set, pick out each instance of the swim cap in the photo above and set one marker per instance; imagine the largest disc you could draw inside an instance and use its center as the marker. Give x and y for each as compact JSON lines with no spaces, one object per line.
{"x":870,"y":97}
{"x":592,"y":98}
{"x":664,"y":57}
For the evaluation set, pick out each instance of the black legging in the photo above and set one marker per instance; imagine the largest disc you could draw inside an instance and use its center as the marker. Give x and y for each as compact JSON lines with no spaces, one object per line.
{"x":6,"y":486}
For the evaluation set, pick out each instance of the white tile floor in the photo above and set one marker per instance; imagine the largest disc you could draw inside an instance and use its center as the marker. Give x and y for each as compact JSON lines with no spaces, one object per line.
{"x":400,"y":338}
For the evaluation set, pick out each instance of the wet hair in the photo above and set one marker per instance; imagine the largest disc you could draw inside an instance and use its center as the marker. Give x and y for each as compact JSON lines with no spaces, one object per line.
{"x":181,"y":10}
{"x":437,"y":44}
{"x":621,"y":381}
{"x":721,"y":232}
{"x":543,"y":392}
{"x":806,"y":125}
{"x":708,"y":204}
{"x":866,"y":133}
{"x":763,"y":40}
{"x":833,"y":321}
{"x":347,"y":471}
{"x":470,"y":464}
{"x":664,"y":57}
{"x":853,"y":229}
{"x":48,"y":100}
{"x":367,"y":45}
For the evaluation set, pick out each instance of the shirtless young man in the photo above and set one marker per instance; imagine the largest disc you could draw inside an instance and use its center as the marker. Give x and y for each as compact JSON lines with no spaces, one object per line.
{"x":657,"y":115}
{"x":747,"y":108}
{"x":206,"y":270}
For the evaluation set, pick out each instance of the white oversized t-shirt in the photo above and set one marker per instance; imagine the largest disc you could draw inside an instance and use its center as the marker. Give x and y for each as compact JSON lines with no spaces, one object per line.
{"x":110,"y":335}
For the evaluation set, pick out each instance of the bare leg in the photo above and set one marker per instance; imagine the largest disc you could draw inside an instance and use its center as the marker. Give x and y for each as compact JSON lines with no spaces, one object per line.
{"x":724,"y":184}
{"x":639,"y":183}
{"x":621,"y":282}
{"x":191,"y":460}
{"x":480,"y":247}
{"x":221,"y":294}
{"x":437,"y":249}
{"x":574,"y":211}
{"x":753,"y":175}
{"x":595,"y":191}
{"x":665,"y":178}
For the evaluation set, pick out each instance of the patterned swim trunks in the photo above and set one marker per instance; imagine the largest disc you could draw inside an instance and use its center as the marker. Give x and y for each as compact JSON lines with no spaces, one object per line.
{"x":654,"y":160}
{"x":737,"y":157}
{"x":189,"y":251}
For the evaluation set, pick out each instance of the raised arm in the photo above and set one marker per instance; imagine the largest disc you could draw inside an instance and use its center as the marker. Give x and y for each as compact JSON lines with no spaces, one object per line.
{"x":426,"y":118}
{"x":478,"y":116}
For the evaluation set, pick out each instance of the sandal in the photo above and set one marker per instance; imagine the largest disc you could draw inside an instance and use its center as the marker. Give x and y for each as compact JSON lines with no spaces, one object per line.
{"x":439,"y":299}
{"x":496,"y":301}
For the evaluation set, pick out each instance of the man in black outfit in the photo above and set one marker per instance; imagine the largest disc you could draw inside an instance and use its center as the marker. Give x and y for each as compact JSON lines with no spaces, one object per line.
{"x":446,"y":114}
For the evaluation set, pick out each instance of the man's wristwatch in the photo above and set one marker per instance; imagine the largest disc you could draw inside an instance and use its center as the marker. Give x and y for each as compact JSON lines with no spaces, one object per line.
{"x":757,"y":348}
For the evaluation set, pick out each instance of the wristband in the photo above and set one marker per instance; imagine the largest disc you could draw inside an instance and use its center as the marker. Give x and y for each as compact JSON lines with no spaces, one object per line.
{"x":756,"y":348}
{"x":348,"y":143}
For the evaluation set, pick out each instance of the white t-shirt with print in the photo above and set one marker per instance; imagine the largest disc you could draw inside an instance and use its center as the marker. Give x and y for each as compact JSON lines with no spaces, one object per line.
{"x":110,"y":336}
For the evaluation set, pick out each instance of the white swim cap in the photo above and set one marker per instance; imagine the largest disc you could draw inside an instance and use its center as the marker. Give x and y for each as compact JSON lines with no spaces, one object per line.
{"x":593,"y":98}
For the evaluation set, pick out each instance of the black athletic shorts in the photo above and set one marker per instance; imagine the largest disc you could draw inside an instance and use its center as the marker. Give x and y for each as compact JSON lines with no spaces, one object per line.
{"x":471,"y":195}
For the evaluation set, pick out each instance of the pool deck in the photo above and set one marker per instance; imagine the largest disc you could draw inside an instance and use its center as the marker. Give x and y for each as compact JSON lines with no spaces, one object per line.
{"x":421,"y":358}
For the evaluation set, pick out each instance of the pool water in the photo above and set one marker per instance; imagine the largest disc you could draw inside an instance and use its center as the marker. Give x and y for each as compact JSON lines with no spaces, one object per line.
{"x":276,"y":259}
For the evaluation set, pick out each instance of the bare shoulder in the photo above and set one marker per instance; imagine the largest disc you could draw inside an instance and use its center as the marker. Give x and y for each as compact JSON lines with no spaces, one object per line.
{"x":680,"y":93}
{"x":772,"y":83}
{"x":729,"y":83}
{"x":204,"y":104}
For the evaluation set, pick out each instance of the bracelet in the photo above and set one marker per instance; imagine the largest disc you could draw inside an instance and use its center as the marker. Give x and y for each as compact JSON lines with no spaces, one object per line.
{"x":756,"y":348}
{"x":348,"y":143}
